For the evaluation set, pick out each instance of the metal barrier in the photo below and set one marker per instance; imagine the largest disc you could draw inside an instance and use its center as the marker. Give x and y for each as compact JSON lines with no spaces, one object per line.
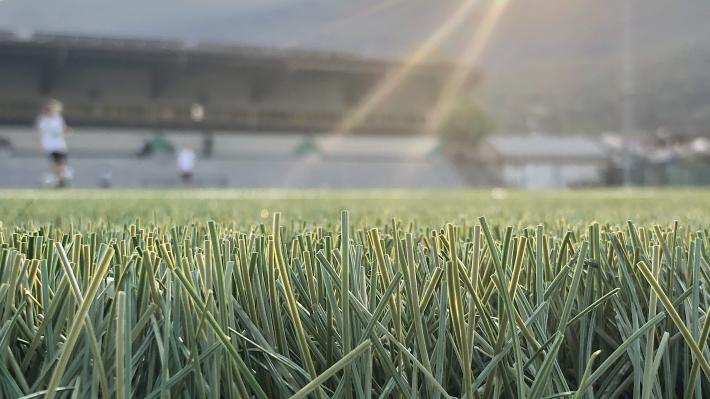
{"x":82,"y":113}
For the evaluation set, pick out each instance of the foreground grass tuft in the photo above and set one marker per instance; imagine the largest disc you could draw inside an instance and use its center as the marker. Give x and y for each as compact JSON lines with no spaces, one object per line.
{"x":354,"y":310}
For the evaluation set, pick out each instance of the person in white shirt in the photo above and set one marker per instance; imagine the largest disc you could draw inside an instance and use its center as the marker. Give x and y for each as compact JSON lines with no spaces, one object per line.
{"x":51,"y":128}
{"x":186,"y":165}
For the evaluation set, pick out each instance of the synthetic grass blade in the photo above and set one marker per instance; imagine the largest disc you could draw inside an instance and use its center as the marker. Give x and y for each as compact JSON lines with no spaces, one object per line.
{"x":78,"y":323}
{"x":670,"y":309}
{"x":360,"y":306}
{"x":337,"y":366}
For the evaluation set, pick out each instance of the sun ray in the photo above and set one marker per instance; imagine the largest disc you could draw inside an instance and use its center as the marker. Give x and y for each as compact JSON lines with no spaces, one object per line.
{"x":455,"y":84}
{"x":392,"y":81}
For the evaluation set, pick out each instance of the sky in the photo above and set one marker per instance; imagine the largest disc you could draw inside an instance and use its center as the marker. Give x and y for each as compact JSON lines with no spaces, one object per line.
{"x":532,"y":29}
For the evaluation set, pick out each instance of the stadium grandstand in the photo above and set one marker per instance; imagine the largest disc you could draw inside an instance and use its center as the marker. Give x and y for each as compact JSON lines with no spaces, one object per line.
{"x":256,"y":117}
{"x":155,"y":83}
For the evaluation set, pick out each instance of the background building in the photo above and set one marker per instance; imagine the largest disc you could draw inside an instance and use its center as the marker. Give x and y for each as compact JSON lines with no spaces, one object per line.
{"x":120,"y":82}
{"x":547,"y":161}
{"x":256,"y":117}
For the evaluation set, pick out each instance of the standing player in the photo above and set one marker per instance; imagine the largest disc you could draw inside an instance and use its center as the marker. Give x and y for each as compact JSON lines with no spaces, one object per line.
{"x":51,"y":128}
{"x":186,"y":165}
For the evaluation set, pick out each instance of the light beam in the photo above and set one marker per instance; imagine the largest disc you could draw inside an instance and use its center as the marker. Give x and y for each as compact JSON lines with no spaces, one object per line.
{"x":390,"y":82}
{"x":455,"y":84}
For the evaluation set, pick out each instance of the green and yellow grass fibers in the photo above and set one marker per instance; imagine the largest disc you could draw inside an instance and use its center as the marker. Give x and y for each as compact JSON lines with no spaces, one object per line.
{"x":397,"y":310}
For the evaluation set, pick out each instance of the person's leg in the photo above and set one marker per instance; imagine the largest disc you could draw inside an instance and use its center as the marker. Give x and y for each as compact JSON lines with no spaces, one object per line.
{"x":55,"y":159}
{"x":57,"y":169}
{"x":64,"y":173}
{"x":186,"y":178}
{"x":60,"y":168}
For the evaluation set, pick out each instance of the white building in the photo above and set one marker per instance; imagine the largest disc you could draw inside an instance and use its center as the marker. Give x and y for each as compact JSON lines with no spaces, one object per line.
{"x":547,"y":161}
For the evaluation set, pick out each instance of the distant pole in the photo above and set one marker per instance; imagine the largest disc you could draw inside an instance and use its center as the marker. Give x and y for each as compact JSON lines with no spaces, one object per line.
{"x":628,"y":88}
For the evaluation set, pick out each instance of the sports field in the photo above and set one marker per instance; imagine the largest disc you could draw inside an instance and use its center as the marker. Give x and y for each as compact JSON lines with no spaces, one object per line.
{"x":434,"y":207}
{"x":272,"y":294}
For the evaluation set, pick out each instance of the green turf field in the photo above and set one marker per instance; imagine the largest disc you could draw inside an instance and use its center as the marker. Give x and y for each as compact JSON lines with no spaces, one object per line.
{"x":407,"y":294}
{"x":370,"y":206}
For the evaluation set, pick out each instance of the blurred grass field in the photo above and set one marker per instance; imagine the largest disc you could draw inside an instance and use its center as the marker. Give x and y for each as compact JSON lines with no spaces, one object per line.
{"x":368,"y":206}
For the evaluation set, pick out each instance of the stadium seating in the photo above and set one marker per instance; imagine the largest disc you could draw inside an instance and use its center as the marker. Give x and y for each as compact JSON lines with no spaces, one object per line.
{"x":257,"y":159}
{"x":97,"y":142}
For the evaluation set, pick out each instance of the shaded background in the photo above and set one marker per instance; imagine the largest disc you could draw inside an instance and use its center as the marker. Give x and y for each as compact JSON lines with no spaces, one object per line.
{"x":566,"y":93}
{"x":554,"y":58}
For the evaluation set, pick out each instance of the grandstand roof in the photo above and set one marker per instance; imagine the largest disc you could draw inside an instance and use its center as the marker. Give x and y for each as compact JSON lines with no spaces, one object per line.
{"x":296,"y":59}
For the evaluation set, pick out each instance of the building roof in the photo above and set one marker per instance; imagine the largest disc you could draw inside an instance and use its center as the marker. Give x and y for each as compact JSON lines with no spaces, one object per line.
{"x":537,"y":146}
{"x":292,"y":58}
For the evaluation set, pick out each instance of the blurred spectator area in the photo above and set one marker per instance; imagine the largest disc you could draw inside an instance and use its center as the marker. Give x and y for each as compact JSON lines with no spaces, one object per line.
{"x":93,"y":142}
{"x":247,"y":159}
{"x":137,"y":83}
